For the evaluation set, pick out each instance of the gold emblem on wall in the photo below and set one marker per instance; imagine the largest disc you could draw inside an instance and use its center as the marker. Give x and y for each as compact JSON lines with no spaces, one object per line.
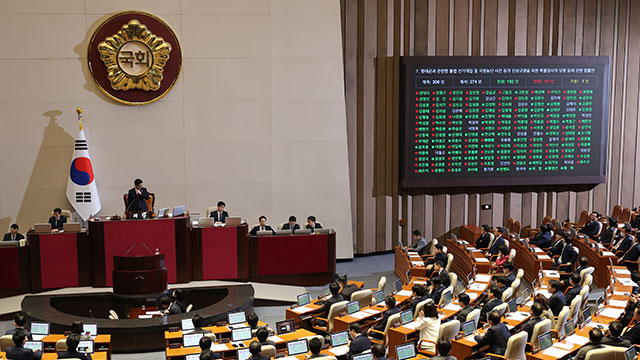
{"x":134,"y":57}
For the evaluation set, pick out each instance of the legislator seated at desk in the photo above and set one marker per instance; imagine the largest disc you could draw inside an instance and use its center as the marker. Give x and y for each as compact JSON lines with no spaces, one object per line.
{"x":496,"y":336}
{"x":421,"y":245}
{"x":205,"y":345}
{"x":72,"y":349}
{"x":57,"y":220}
{"x":220,"y":215}
{"x":592,"y":227}
{"x":256,"y":351}
{"x":262,"y":226}
{"x":485,"y":238}
{"x":137,"y":196}
{"x":347,"y":289}
{"x":13,"y":234}
{"x":312,"y":223}
{"x":19,"y":320}
{"x":18,"y":352}
{"x":291,"y":225}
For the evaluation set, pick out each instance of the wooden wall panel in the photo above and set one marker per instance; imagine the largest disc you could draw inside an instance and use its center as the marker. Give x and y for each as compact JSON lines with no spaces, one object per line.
{"x":376,"y":33}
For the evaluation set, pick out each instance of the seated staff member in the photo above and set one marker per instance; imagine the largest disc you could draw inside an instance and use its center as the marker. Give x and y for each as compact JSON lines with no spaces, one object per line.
{"x":18,"y":322}
{"x":595,"y":337}
{"x":167,"y":307}
{"x":485,"y":238}
{"x":347,"y":289}
{"x":72,"y":353}
{"x":464,"y":300}
{"x":136,"y":197}
{"x":261,"y":227}
{"x":262,"y":334}
{"x":291,"y":225}
{"x":18,"y":351}
{"x":312,"y":224}
{"x":13,"y":234}
{"x":421,"y":245}
{"x":444,"y":347}
{"x":359,"y":343}
{"x":557,"y":300}
{"x":57,"y":220}
{"x":428,"y":323}
{"x":496,"y":336}
{"x":220,"y":215}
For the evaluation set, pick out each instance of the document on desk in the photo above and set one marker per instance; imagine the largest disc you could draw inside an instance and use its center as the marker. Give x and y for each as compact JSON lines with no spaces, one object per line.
{"x":622,"y":271}
{"x":470,"y":338}
{"x":608,"y":253}
{"x":555,"y":352}
{"x":473,"y":295}
{"x":483,"y":278}
{"x":577,"y":339}
{"x":301,"y":309}
{"x":417,"y":263}
{"x":412,"y":253}
{"x":411,"y":325}
{"x":543,"y":292}
{"x":452,"y":307}
{"x":372,"y":311}
{"x":481,"y":260}
{"x":538,"y":250}
{"x":478,"y":286}
{"x":360,"y":315}
{"x":543,"y":256}
{"x":145,"y":316}
{"x":339,"y":350}
{"x":613,"y":313}
{"x":275,"y":339}
{"x":564,"y":345}
{"x":475,"y":250}
{"x":404,"y":293}
{"x":418,"y":282}
{"x":551,"y":273}
{"x":627,"y":282}
{"x":618,"y":303}
{"x":517,"y":316}
{"x":219,"y":347}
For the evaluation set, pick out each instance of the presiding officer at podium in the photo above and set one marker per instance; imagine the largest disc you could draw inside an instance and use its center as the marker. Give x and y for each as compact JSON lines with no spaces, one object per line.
{"x":57,"y":220}
{"x":137,"y":196}
{"x":220,"y":215}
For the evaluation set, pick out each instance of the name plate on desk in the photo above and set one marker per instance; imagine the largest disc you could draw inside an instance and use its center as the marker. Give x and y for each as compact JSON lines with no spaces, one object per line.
{"x":141,"y":215}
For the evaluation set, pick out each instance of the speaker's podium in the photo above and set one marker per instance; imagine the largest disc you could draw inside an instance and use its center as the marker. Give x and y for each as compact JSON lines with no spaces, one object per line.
{"x":136,"y":275}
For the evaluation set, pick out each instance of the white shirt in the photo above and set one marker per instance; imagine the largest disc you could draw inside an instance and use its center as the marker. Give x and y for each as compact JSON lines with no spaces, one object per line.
{"x":429,"y":329}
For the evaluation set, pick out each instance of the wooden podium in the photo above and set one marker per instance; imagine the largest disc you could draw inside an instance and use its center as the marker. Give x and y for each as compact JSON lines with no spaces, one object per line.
{"x":135,"y":275}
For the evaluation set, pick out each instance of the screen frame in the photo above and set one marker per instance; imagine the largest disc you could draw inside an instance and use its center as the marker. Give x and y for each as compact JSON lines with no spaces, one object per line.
{"x":337,"y":333}
{"x":289,"y":321}
{"x":229,"y":315}
{"x":406,"y":345}
{"x":40,"y":322}
{"x":243,"y":328}
{"x":406,"y":147}
{"x":306,"y":342}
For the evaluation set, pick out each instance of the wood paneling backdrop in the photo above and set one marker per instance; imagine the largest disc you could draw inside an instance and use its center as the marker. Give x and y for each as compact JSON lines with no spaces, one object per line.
{"x":376,"y":33}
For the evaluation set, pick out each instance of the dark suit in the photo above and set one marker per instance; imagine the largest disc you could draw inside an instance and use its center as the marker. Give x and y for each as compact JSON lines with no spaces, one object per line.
{"x":495,"y":248}
{"x":286,"y":226}
{"x":542,"y":240}
{"x":438,"y":256}
{"x":556,"y":302}
{"x":385,"y":318}
{"x":323,"y":311}
{"x":496,"y":337}
{"x":486,"y":309}
{"x":633,"y":334}
{"x":625,"y":244}
{"x":7,"y":237}
{"x":483,"y":241}
{"x":13,"y":331}
{"x":612,"y":341}
{"x":358,"y":345}
{"x":572,"y":293}
{"x":348,"y":290}
{"x":607,"y":236}
{"x":57,"y":223}
{"x":73,"y":355}
{"x":315,"y":226}
{"x":510,"y":279}
{"x":137,"y":202}
{"x":436,"y":294}
{"x":259,"y":357}
{"x":590,"y":228}
{"x":462,"y":315}
{"x":445,"y":280}
{"x":174,"y":309}
{"x":439,"y":357}
{"x":418,"y":300}
{"x":568,"y":255}
{"x":556,"y":248}
{"x":632,"y":255}
{"x":256,"y":228}
{"x":529,"y":325}
{"x":222,"y":218}
{"x":20,"y":353}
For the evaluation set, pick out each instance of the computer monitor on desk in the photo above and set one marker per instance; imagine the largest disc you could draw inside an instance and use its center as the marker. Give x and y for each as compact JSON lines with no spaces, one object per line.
{"x":302,"y":232}
{"x":90,"y":329}
{"x":406,"y":351}
{"x":339,"y":338}
{"x":284,"y":232}
{"x":322,"y":231}
{"x":285,"y":327}
{"x":85,"y":346}
{"x":187,"y":325}
{"x":304,"y":299}
{"x":39,"y":330}
{"x":243,"y":354}
{"x":237,"y":318}
{"x":34,"y":345}
{"x":264,"y":233}
{"x":297,"y":347}
{"x":43,"y":228}
{"x":191,"y":340}
{"x":233,"y":221}
{"x":178,"y":211}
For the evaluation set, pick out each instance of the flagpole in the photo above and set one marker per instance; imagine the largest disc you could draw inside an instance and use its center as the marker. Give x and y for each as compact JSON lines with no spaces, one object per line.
{"x":79,"y":111}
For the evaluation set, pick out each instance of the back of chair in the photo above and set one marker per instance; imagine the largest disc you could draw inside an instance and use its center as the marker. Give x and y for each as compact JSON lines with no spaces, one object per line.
{"x":558,"y":325}
{"x":113,"y":314}
{"x":453,"y":278}
{"x":584,"y":217}
{"x":280,"y":226}
{"x":474,"y":315}
{"x":512,"y":255}
{"x":363,"y":296}
{"x":449,"y":330}
{"x":419,"y":307}
{"x":509,"y":224}
{"x":492,"y":238}
{"x":587,"y":281}
{"x":500,"y":309}
{"x":212,"y":336}
{"x":506,"y":294}
{"x":588,"y":271}
{"x":61,"y":345}
{"x":625,"y":217}
{"x":5,"y":342}
{"x":539,"y":329}
{"x":449,"y":262}
{"x":334,"y":311}
{"x":515,"y":285}
{"x":210,"y":209}
{"x":606,"y":353}
{"x":382,"y":282}
{"x":520,"y":274}
{"x":319,"y":337}
{"x":66,"y":213}
{"x":268,"y":350}
{"x":584,"y":294}
{"x":617,"y":211}
{"x":393,"y":320}
{"x":574,"y":308}
{"x":515,"y":346}
{"x":448,"y":289}
{"x":516,"y":227}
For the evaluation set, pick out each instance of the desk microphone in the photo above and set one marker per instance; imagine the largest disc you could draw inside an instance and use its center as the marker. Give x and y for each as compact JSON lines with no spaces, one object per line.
{"x":91,"y":313}
{"x":149,"y":250}
{"x":131,"y":248}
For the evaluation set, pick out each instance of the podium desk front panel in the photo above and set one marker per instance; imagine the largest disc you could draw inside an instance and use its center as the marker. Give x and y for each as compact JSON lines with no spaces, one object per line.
{"x":221,"y":253}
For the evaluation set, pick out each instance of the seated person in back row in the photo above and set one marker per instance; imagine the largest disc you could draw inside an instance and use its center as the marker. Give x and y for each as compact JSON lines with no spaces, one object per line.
{"x":261,"y":227}
{"x":444,"y":347}
{"x":291,"y":225}
{"x":439,"y":255}
{"x":72,"y":353}
{"x":205,"y":347}
{"x":78,"y":328}
{"x":220,"y":214}
{"x":315,"y":346}
{"x":198,"y":322}
{"x":18,"y":351}
{"x":18,"y":321}
{"x":312,"y":224}
{"x":167,"y":307}
{"x":136,"y":197}
{"x":496,"y":337}
{"x":494,"y":297}
{"x":57,"y":220}
{"x":336,"y":297}
{"x":421,"y":245}
{"x":256,"y":351}
{"x":359,"y":343}
{"x":347,"y":289}
{"x":13,"y":234}
{"x":263,"y":336}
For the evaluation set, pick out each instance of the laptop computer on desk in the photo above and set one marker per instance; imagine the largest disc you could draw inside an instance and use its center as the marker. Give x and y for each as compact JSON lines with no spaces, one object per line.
{"x":71,"y":227}
{"x":43,"y":228}
{"x":233,"y":221}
